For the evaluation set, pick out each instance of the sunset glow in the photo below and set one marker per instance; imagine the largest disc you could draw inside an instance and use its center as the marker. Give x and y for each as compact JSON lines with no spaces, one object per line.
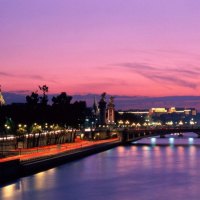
{"x":133,"y":47}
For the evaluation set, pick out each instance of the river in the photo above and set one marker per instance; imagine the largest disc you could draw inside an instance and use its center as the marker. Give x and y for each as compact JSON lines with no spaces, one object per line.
{"x":157,"y":170}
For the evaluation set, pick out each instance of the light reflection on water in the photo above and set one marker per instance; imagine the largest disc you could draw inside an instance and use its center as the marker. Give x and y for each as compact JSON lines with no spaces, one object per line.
{"x":127,"y":172}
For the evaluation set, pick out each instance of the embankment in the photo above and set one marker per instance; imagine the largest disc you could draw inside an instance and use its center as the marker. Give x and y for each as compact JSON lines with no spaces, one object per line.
{"x":14,"y":169}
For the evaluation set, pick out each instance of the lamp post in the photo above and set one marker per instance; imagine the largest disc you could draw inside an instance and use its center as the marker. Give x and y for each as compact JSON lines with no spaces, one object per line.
{"x":21,"y":131}
{"x":120,"y":123}
{"x":127,"y":123}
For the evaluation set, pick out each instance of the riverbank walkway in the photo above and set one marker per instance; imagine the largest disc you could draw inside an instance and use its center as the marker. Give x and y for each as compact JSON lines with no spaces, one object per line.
{"x":52,"y":150}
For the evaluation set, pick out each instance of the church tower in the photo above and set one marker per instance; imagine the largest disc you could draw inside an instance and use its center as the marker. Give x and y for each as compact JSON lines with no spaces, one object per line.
{"x":2,"y":101}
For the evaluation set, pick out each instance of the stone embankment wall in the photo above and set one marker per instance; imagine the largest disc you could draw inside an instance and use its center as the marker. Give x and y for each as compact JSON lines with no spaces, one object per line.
{"x":14,"y":169}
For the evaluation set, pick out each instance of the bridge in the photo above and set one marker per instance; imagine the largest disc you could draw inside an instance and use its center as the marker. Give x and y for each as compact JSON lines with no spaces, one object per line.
{"x":129,"y":135}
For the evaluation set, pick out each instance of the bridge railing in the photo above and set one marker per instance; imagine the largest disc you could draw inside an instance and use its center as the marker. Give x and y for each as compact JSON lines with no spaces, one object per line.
{"x":191,"y":127}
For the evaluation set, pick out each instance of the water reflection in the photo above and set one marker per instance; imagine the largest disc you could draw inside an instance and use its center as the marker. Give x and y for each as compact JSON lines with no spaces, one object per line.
{"x":126,"y":172}
{"x":40,"y":179}
{"x":9,"y":191}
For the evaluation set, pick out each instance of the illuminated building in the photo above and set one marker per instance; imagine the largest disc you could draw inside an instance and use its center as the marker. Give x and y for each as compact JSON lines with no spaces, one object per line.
{"x":159,"y":111}
{"x":172,"y":110}
{"x":2,"y":101}
{"x":111,"y":112}
{"x":103,"y":113}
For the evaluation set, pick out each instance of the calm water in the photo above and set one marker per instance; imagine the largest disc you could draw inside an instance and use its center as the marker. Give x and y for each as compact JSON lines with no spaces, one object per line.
{"x":131,"y":172}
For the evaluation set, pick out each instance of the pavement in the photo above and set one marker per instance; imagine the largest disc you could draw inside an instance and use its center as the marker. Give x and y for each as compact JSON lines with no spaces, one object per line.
{"x":39,"y":152}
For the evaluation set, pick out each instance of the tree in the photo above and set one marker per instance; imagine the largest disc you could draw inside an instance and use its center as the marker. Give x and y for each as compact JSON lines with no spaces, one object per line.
{"x":21,"y":131}
{"x":9,"y":126}
{"x":44,"y":98}
{"x":33,"y":99}
{"x":62,"y":99}
{"x":36,"y":129}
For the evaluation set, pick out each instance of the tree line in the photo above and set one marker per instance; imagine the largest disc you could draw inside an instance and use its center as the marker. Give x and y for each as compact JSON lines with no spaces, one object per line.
{"x":37,"y":110}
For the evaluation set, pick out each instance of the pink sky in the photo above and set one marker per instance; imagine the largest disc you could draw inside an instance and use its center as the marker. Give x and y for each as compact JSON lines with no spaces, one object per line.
{"x":132,"y":47}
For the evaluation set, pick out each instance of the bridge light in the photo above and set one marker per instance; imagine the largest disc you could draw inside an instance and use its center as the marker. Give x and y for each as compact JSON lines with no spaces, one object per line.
{"x":171,"y":140}
{"x":153,"y":140}
{"x":190,"y":140}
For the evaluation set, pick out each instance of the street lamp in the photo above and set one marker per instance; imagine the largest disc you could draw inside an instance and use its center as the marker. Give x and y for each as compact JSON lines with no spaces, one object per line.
{"x":127,"y":123}
{"x":120,"y":122}
{"x":138,"y":125}
{"x":180,"y":123}
{"x":191,"y":123}
{"x":133,"y":124}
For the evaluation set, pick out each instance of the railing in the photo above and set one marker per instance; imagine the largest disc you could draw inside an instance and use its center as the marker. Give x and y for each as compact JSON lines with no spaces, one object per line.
{"x":49,"y":151}
{"x":131,"y":134}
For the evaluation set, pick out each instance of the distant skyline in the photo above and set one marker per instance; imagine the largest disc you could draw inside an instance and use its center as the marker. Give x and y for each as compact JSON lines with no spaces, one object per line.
{"x":133,"y":47}
{"x":123,"y":102}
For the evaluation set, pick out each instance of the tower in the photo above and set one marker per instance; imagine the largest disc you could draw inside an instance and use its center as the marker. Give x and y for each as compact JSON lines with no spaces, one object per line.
{"x":111,"y":111}
{"x":2,"y":101}
{"x":102,"y":108}
{"x":95,"y":108}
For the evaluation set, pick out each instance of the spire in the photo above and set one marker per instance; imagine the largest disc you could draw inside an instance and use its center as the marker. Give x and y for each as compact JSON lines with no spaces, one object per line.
{"x":95,"y":106}
{"x":2,"y":101}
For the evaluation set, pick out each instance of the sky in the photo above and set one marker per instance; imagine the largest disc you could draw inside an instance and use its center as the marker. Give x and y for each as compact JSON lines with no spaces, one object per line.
{"x":132,"y":47}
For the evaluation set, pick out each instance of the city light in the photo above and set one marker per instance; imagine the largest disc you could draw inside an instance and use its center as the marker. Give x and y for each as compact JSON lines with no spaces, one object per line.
{"x":180,"y":123}
{"x":170,"y":123}
{"x":190,"y":141}
{"x":171,"y":140}
{"x":153,"y":140}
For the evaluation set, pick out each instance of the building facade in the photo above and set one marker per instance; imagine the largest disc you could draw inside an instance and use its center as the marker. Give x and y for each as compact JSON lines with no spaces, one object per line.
{"x":2,"y":101}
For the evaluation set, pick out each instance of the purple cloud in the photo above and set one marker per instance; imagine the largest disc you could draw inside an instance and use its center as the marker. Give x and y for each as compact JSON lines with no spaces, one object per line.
{"x":168,"y":75}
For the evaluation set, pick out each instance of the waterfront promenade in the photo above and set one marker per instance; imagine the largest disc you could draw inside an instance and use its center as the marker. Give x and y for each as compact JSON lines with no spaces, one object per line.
{"x":52,"y":150}
{"x":30,"y":161}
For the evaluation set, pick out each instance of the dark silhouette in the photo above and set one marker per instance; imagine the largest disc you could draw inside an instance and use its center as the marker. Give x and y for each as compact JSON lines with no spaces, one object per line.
{"x":102,"y":107}
{"x":44,"y":98}
{"x":28,"y":121}
{"x":33,"y":99}
{"x":62,"y":99}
